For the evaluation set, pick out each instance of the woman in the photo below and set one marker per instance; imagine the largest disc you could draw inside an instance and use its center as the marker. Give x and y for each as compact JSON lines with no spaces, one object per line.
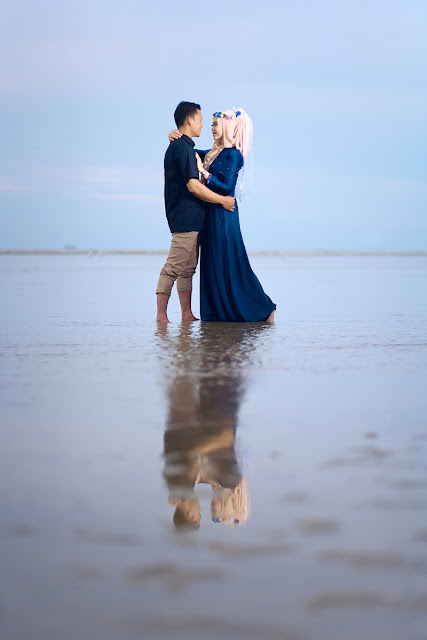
{"x":229,"y":289}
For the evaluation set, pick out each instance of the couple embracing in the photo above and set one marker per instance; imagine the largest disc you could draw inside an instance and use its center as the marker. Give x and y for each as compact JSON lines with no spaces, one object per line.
{"x":203,"y":213}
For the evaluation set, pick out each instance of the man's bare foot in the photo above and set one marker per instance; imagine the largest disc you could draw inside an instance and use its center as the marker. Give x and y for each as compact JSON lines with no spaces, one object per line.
{"x":188,"y":317}
{"x":270,"y":318}
{"x":162,"y":318}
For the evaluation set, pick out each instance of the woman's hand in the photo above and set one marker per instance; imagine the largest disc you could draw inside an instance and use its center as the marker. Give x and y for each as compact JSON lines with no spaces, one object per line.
{"x":174,"y":135}
{"x":199,"y":164}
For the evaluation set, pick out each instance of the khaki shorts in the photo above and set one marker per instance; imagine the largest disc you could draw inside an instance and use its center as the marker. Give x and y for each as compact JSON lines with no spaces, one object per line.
{"x":181,"y":263}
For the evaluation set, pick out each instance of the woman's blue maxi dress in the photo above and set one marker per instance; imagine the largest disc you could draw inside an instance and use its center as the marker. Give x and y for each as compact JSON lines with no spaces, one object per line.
{"x":229,"y":289}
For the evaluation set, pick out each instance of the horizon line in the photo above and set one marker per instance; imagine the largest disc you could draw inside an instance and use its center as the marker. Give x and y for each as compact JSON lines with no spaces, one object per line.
{"x":279,"y":253}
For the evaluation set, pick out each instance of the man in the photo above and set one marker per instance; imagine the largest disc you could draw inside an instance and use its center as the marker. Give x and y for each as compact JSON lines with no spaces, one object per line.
{"x":184,"y":211}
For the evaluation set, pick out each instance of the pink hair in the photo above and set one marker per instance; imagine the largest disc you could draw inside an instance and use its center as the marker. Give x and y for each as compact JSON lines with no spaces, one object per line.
{"x":239,"y":129}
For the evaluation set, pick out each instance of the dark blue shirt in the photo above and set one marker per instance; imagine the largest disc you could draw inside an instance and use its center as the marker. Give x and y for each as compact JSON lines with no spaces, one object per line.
{"x":184,"y":211}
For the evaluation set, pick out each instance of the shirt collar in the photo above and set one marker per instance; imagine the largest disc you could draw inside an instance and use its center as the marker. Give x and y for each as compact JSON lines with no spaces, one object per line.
{"x":187,"y":139}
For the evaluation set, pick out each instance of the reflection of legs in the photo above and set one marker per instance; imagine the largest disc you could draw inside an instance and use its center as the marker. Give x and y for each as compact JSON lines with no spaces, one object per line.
{"x":180,"y":265}
{"x":181,"y":468}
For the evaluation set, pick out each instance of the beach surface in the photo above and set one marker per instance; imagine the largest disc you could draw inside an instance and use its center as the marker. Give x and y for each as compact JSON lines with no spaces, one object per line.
{"x":300,"y":450}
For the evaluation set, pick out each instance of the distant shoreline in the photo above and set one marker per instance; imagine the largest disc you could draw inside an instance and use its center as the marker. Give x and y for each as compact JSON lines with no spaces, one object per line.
{"x":284,"y":254}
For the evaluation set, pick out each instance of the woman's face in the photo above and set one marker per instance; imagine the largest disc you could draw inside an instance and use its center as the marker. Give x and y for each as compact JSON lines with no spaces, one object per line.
{"x":215,"y":129}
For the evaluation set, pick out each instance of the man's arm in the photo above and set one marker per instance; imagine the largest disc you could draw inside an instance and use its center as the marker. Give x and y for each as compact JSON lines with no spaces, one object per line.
{"x":203,"y":193}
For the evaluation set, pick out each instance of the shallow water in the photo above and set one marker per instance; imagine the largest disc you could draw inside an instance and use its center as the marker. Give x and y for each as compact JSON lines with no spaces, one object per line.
{"x":312,"y":433}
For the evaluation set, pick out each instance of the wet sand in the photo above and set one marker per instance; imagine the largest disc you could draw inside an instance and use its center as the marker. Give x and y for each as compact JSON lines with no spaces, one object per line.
{"x":205,"y":480}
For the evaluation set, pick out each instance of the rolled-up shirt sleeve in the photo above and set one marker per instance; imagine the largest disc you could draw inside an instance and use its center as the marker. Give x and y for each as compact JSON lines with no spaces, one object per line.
{"x":186,"y":161}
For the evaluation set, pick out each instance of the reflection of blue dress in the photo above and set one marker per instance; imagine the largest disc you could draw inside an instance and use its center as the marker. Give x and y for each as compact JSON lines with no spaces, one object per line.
{"x":229,"y":289}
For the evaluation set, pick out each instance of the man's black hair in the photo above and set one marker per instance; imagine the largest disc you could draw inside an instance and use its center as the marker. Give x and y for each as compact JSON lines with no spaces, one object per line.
{"x":183,"y":111}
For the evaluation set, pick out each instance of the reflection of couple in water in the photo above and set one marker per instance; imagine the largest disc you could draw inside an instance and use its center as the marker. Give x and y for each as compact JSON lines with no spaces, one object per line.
{"x":202,"y":453}
{"x":204,"y":395}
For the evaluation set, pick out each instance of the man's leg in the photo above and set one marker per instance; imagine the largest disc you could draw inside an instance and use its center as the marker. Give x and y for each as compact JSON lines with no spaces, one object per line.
{"x":184,"y":282}
{"x":179,"y":264}
{"x":164,"y":286}
{"x":162,"y":307}
{"x":185,"y":302}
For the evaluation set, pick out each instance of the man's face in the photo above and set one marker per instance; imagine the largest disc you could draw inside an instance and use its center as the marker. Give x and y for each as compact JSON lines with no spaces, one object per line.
{"x":196,"y":124}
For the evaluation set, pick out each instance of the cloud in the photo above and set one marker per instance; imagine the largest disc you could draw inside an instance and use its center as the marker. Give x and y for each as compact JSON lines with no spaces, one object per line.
{"x":136,"y":184}
{"x":129,"y":197}
{"x":324,"y":199}
{"x":9,"y":185}
{"x":111,"y":177}
{"x":343,"y":101}
{"x":58,"y":50}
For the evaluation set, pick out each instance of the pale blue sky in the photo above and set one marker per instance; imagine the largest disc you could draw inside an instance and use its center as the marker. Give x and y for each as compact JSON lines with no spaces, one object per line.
{"x":337,"y":91}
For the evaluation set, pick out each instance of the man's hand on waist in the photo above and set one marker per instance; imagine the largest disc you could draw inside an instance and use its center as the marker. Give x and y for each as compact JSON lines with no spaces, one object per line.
{"x":228,"y":203}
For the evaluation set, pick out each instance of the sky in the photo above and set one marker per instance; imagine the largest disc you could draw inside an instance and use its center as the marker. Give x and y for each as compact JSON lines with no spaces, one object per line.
{"x":337,"y":91}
